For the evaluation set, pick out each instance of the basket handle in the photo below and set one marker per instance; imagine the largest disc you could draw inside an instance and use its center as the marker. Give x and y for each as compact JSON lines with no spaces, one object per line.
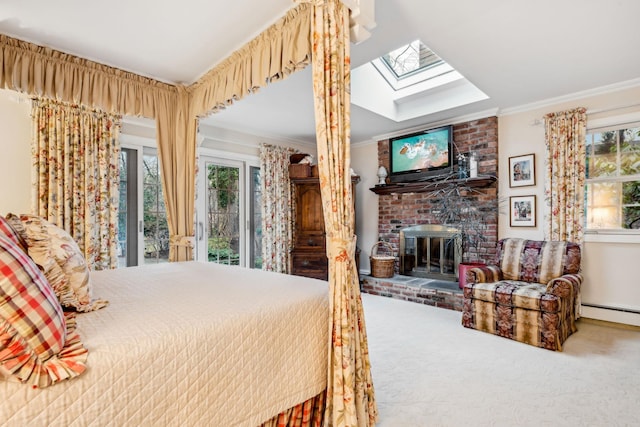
{"x":385,"y":244}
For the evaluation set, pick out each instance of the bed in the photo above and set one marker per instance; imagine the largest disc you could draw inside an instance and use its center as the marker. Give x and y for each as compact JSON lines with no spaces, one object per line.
{"x":187,"y":343}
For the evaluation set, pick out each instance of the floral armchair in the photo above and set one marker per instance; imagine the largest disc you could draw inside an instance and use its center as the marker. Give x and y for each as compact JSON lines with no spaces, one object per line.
{"x":530,"y":295}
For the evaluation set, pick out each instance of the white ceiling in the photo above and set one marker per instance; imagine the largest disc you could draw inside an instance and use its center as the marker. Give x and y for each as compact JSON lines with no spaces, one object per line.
{"x":517,"y":52}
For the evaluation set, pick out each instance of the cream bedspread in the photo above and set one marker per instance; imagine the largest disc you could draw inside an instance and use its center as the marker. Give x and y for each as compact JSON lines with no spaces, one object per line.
{"x":188,"y":344}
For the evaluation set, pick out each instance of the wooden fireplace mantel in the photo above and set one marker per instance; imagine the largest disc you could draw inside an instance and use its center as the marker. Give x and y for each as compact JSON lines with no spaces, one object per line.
{"x":427,"y":186}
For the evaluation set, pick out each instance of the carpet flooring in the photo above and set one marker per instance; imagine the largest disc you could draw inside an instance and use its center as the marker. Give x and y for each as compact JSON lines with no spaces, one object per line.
{"x":428,"y":370}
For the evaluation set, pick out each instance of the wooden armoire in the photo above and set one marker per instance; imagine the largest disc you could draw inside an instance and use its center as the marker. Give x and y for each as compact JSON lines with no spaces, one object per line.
{"x":308,"y":254}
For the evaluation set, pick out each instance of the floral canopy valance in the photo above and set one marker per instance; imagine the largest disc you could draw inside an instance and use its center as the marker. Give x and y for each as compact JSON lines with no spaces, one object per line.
{"x":279,"y":51}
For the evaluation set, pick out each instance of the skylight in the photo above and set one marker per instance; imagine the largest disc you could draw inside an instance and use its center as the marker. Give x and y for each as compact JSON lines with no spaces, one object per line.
{"x":410,"y":59}
{"x":410,"y":82}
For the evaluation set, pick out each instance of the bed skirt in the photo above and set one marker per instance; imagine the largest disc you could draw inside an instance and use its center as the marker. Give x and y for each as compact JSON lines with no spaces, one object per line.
{"x":307,"y":414}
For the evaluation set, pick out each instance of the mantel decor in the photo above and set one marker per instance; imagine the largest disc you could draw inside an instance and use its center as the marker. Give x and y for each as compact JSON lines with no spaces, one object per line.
{"x":382,"y":176}
{"x":429,"y":186}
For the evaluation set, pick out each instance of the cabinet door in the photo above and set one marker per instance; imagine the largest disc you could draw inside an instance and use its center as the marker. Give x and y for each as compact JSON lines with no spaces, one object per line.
{"x":309,"y":220}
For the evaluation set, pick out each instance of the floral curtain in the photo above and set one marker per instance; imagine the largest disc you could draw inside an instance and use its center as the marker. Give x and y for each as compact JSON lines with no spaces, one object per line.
{"x":565,"y":136}
{"x":276,"y":207}
{"x":350,"y":394}
{"x":75,"y":152}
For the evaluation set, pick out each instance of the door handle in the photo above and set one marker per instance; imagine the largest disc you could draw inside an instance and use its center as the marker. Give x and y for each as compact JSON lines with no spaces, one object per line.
{"x":200,"y":230}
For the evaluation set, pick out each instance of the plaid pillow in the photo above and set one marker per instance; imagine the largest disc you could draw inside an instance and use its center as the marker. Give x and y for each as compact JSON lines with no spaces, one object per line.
{"x":7,"y":229}
{"x":38,"y":345}
{"x":64,"y":266}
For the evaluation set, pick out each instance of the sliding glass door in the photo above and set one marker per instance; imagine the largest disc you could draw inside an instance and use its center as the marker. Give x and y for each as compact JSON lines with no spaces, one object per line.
{"x":127,"y":208}
{"x":156,"y":229}
{"x":143,"y":232}
{"x":228,"y":212}
{"x":255,"y":215}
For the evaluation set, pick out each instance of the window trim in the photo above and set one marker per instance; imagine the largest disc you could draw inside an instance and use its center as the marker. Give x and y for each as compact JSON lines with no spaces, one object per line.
{"x":611,"y":236}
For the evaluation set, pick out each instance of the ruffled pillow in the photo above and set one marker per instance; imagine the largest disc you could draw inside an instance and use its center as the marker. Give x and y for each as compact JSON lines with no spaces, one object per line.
{"x":64,"y":266}
{"x":38,"y":342}
{"x":9,"y":231}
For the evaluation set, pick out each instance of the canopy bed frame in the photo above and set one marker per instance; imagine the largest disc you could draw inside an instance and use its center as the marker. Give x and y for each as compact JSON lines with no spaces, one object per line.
{"x":279,"y":51}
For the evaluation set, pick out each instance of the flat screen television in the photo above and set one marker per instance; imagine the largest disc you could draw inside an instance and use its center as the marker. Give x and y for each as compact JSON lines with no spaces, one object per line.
{"x":422,"y":155}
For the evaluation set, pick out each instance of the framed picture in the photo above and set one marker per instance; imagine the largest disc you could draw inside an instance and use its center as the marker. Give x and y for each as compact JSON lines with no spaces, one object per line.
{"x":523,"y":211}
{"x":522,"y":170}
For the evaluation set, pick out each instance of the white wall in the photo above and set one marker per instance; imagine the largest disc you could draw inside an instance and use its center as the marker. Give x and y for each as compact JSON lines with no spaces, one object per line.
{"x":608,"y":265}
{"x":15,"y":160}
{"x":364,"y":161}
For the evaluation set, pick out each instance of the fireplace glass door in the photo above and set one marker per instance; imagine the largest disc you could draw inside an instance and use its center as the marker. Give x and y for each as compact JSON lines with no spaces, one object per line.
{"x":429,"y":251}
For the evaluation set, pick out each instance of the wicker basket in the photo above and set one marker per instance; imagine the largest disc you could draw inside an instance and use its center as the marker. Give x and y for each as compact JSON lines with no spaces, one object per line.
{"x":382,"y":265}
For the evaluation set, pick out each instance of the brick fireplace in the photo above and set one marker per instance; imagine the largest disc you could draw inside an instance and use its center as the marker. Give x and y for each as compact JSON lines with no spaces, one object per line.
{"x":408,"y":209}
{"x":397,"y":211}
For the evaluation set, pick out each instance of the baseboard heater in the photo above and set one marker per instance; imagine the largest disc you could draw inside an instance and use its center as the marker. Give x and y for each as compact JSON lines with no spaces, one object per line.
{"x":603,"y":307}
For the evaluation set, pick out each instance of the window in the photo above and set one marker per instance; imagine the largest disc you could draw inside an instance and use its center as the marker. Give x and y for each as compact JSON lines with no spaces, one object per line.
{"x":156,"y":229}
{"x":228,"y":209}
{"x":410,"y":59}
{"x":127,"y":208}
{"x":143,"y":232}
{"x":613,"y":179}
{"x":255,"y":226}
{"x":223,"y":214}
{"x":410,"y":82}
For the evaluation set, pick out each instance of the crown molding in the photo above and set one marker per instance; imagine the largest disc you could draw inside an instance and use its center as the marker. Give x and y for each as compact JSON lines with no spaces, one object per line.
{"x":602,"y":90}
{"x":364,"y":143}
{"x":246,"y":139}
{"x":452,"y":121}
{"x":142,"y":122}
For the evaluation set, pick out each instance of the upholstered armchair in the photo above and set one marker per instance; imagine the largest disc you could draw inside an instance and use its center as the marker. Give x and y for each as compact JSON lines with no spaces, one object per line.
{"x":530,"y":295}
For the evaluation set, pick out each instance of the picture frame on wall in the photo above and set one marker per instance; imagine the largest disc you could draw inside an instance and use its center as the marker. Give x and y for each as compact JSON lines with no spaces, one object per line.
{"x":522,"y":170}
{"x":522,"y":211}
